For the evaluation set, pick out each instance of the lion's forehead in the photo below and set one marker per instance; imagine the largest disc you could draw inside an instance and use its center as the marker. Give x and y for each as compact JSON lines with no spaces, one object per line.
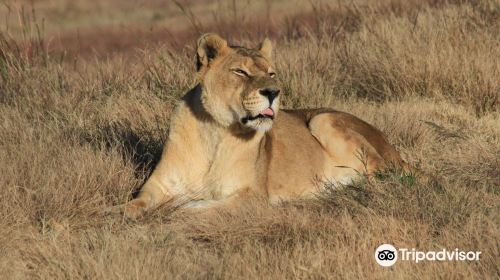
{"x":262,"y":64}
{"x":246,"y":51}
{"x":251,"y":59}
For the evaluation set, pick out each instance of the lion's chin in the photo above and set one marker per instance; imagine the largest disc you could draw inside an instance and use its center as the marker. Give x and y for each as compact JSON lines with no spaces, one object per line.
{"x":260,"y":124}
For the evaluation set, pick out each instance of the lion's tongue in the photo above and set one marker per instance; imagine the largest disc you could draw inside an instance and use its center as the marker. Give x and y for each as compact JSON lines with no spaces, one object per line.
{"x":267,"y":112}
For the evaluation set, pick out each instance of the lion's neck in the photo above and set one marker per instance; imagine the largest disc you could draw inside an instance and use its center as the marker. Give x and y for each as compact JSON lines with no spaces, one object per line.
{"x":211,"y":134}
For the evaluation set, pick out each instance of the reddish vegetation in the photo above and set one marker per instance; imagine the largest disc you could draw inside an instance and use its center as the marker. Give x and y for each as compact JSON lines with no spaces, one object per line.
{"x":107,"y":41}
{"x":316,"y":18}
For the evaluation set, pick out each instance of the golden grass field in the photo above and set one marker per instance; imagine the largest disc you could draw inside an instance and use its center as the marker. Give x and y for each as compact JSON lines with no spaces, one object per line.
{"x":86,"y":92}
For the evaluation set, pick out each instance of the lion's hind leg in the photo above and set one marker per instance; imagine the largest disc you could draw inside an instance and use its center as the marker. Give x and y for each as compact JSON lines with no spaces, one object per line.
{"x":348,"y":152}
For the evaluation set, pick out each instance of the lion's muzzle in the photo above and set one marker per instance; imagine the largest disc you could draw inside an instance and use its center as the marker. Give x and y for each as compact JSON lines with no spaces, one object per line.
{"x":271,"y":93}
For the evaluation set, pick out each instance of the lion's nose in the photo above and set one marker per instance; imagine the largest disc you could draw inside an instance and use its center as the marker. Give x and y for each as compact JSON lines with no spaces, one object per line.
{"x":270,"y":93}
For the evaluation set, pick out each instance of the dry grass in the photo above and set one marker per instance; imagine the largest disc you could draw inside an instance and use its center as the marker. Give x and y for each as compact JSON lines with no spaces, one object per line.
{"x":76,"y":137}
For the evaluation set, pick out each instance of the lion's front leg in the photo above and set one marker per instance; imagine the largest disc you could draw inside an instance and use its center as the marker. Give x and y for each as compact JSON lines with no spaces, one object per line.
{"x":179,"y":174}
{"x":153,"y":194}
{"x":175,"y":180}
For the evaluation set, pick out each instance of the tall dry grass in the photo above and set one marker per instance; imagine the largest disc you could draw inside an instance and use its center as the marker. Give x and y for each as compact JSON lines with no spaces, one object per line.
{"x":77,"y":137}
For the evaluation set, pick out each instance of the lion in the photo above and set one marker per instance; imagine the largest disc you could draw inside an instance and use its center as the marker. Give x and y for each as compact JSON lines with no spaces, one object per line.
{"x":229,"y":139}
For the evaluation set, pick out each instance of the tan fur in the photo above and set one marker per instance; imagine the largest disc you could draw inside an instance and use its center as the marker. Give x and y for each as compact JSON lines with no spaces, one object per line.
{"x":223,"y":147}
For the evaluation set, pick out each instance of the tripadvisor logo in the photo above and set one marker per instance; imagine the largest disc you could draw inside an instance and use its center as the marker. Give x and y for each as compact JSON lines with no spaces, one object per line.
{"x":387,"y":255}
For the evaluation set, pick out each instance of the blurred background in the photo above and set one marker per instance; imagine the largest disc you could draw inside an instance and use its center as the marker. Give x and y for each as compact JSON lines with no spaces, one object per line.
{"x":110,"y":26}
{"x":374,"y":49}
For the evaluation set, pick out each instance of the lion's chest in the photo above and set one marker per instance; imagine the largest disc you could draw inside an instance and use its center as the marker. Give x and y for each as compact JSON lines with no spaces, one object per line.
{"x":232,"y":169}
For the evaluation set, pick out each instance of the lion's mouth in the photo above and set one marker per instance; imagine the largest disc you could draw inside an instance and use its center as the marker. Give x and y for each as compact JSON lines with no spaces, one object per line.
{"x":267,"y":113}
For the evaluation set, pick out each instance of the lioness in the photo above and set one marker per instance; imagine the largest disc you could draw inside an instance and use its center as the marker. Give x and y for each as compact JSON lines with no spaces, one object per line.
{"x":228,"y":138}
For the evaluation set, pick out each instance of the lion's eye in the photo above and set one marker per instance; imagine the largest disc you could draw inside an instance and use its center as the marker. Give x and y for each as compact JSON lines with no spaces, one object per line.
{"x":272,"y":75}
{"x":240,"y":72}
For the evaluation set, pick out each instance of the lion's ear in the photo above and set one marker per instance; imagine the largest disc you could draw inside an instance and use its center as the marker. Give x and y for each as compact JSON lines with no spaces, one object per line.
{"x":266,"y":48}
{"x":209,"y":46}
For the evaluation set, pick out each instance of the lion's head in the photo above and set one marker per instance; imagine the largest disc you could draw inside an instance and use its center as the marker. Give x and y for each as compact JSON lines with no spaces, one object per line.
{"x":239,"y":84}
